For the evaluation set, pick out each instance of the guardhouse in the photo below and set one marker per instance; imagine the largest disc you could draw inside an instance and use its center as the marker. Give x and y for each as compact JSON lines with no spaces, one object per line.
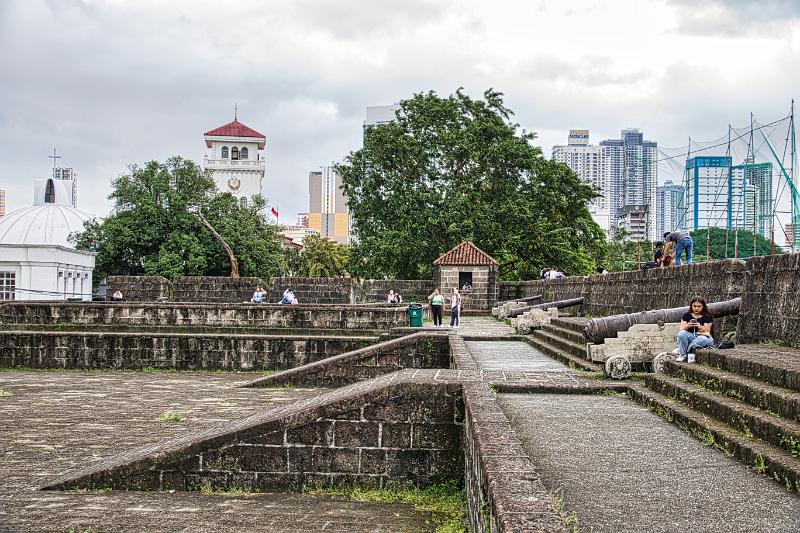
{"x":472,"y":271}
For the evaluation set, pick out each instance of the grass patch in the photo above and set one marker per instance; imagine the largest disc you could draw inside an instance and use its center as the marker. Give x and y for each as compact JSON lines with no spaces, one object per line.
{"x":570,"y":519}
{"x":6,"y":393}
{"x":171,"y":417}
{"x":446,"y":502}
{"x":208,"y":489}
{"x":593,"y":375}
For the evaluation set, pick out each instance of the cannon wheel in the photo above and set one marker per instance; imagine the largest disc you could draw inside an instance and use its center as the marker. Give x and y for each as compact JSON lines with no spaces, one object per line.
{"x":618,"y":367}
{"x":660,"y":359}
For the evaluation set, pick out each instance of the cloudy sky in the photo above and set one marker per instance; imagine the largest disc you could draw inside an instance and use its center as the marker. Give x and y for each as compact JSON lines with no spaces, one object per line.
{"x":109,"y":83}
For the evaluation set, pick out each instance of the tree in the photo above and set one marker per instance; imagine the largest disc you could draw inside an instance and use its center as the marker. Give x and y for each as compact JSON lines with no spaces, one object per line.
{"x":452,"y":169}
{"x":152,"y":231}
{"x":324,"y":258}
{"x":724,"y":244}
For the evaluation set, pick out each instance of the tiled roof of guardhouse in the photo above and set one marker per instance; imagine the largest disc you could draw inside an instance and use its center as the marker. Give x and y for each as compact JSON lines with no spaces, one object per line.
{"x":465,"y":253}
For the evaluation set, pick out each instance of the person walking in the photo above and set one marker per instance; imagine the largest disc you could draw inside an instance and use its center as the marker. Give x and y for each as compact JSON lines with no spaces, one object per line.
{"x":437,"y":302}
{"x":455,"y":308}
{"x":683,"y":241}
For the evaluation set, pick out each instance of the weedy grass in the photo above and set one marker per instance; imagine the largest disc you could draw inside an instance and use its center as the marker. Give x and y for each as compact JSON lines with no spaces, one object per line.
{"x":171,"y":417}
{"x":446,"y":502}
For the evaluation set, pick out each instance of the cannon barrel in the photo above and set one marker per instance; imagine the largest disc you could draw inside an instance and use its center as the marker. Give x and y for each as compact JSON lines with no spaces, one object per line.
{"x":526,"y":299}
{"x":560,"y":304}
{"x":599,"y":329}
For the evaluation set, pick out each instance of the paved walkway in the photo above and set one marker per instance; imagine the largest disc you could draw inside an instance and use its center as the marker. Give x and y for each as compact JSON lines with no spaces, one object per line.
{"x":621,"y":468}
{"x":512,"y":356}
{"x":52,"y":422}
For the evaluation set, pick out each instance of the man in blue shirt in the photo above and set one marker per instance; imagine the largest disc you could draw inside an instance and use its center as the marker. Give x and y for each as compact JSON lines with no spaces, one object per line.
{"x":259,"y":295}
{"x":682,"y":242}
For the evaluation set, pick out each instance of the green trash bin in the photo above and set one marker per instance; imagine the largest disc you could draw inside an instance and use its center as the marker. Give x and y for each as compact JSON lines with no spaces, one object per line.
{"x":415,"y":312}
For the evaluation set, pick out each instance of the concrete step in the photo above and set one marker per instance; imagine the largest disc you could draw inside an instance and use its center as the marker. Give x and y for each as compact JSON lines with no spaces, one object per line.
{"x":748,"y":420}
{"x":569,"y":334}
{"x":559,"y":355}
{"x":759,"y":455}
{"x":771,"y":398}
{"x":776,"y":365}
{"x":570,"y":322}
{"x":572,"y":348}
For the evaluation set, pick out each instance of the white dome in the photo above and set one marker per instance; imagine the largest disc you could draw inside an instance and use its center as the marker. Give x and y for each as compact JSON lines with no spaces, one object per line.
{"x":42,"y":224}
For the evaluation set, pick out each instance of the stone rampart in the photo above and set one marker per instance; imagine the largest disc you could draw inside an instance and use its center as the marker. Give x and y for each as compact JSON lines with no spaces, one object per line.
{"x":401,"y":427}
{"x":212,"y":289}
{"x":412,"y":290}
{"x":135,"y":351}
{"x":316,"y":290}
{"x":140,"y":288}
{"x":339,"y":317}
{"x":770,"y":310}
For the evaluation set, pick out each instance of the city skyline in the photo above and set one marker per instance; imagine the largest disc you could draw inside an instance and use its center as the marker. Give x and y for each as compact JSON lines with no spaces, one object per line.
{"x":143,"y":97}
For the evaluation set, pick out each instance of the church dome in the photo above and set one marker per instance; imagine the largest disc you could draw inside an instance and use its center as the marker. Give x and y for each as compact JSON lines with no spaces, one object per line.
{"x":42,"y":224}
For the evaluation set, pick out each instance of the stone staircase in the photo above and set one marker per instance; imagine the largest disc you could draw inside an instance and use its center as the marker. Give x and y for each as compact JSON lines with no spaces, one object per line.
{"x":745,"y":402}
{"x":563,"y":340}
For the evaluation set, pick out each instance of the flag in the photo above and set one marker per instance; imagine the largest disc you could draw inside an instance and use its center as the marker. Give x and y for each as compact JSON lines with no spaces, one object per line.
{"x":274,"y":212}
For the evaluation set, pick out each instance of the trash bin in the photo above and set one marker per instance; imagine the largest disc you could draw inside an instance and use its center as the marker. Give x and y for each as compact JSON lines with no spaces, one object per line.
{"x":415,"y":312}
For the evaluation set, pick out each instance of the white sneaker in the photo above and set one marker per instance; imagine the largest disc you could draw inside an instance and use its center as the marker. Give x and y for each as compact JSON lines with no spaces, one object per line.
{"x":681,"y":358}
{"x":691,"y":358}
{"x":676,"y":351}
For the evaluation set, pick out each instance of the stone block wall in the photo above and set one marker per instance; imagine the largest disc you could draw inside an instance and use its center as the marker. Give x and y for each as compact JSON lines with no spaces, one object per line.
{"x":483,"y":294}
{"x":401,"y":427}
{"x":350,"y":317}
{"x":419,"y":350}
{"x":770,"y":310}
{"x":631,"y":292}
{"x":208,"y":289}
{"x":140,"y":288}
{"x":412,"y":290}
{"x":134,"y":351}
{"x":316,"y":290}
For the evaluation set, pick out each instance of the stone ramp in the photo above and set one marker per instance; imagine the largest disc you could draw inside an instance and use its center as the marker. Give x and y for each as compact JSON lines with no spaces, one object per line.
{"x":635,"y":472}
{"x":512,"y":356}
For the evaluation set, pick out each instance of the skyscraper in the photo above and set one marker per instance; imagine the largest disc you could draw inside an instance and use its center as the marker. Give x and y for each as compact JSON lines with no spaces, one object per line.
{"x":715,"y":197}
{"x":2,"y":203}
{"x":327,"y":205}
{"x":670,"y":208}
{"x":68,"y":174}
{"x":634,"y":174}
{"x":758,"y":177}
{"x":593,"y":165}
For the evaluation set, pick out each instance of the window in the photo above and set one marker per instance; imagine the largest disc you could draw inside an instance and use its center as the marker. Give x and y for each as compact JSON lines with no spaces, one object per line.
{"x":243,"y":201}
{"x":8,"y":285}
{"x":465,"y":280}
{"x":234,"y":153}
{"x":50,"y":193}
{"x":224,"y":152}
{"x":243,"y":153}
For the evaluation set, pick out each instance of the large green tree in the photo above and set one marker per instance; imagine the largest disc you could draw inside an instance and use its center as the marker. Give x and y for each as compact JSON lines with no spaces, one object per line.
{"x":457,"y":168}
{"x":324,"y":258}
{"x":153,"y":230}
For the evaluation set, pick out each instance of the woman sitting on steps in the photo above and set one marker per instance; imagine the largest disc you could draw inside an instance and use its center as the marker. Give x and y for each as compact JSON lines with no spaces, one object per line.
{"x":695,"y":330}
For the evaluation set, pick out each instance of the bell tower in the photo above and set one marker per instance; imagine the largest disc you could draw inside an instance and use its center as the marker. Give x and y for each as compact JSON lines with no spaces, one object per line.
{"x":235,"y":157}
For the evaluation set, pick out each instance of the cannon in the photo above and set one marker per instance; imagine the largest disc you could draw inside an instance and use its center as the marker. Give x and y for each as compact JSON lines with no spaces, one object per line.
{"x":560,"y":304}
{"x":598,"y":329}
{"x":527,"y":299}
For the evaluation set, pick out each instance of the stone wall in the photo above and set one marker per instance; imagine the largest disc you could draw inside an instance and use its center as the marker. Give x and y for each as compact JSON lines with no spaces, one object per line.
{"x":342,"y":317}
{"x":483,"y":294}
{"x":401,"y":427}
{"x":140,"y":288}
{"x":770,"y":310}
{"x":412,"y":290}
{"x":631,"y":292}
{"x":208,"y":289}
{"x":135,"y":351}
{"x":419,"y":350}
{"x":316,"y":290}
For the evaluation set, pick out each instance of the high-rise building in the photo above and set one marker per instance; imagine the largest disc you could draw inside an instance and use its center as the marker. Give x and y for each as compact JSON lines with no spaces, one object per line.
{"x":758,"y":177}
{"x":327,"y":205}
{"x":634,"y":174}
{"x":670,"y":208}
{"x":715,"y":197}
{"x":68,"y":174}
{"x":236,"y":159}
{"x":592,"y":164}
{"x":2,"y":203}
{"x":380,"y":114}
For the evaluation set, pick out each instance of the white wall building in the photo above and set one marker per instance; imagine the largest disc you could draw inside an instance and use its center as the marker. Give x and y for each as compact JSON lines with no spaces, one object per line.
{"x":593,"y":165}
{"x":236,"y":159}
{"x":37,"y":262}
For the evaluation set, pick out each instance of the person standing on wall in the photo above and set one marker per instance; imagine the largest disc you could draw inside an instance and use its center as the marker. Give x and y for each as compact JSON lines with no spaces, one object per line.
{"x":455,"y":308}
{"x":437,"y":302}
{"x":682,"y":242}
